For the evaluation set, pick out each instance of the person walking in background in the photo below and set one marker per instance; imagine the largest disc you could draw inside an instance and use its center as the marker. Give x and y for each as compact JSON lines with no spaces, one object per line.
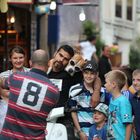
{"x":104,"y":63}
{"x":17,"y":59}
{"x":98,"y":130}
{"x":120,"y":110}
{"x":88,"y":49}
{"x":82,"y":118}
{"x":135,"y":102}
{"x":32,"y":96}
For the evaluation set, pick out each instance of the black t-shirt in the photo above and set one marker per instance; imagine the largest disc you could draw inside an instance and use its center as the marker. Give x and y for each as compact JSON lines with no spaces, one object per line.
{"x":104,"y":67}
{"x":67,"y":82}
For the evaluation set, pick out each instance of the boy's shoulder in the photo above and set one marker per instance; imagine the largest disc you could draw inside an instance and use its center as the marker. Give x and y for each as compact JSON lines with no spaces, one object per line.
{"x":121,"y":99}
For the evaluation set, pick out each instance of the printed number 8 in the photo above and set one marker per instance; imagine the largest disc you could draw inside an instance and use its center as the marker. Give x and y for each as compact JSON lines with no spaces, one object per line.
{"x":30,"y":93}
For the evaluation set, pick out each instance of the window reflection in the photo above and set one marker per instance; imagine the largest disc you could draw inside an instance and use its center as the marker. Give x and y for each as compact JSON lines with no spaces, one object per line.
{"x":129,"y":9}
{"x":118,"y":11}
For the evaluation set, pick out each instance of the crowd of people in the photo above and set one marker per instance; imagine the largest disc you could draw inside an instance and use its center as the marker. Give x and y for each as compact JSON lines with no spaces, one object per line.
{"x":107,"y":110}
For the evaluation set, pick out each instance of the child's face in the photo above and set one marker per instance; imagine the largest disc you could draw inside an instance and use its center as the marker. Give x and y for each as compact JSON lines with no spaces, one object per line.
{"x":108,"y":85}
{"x":99,"y":117}
{"x":89,"y":76}
{"x":17,"y":60}
{"x":136,"y":82}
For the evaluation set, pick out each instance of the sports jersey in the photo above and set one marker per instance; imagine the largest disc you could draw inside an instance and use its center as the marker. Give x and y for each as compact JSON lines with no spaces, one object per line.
{"x":32,"y":96}
{"x":84,"y":113}
{"x":120,"y":113}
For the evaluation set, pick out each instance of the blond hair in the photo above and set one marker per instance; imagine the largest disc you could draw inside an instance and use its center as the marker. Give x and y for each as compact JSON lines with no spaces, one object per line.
{"x":118,"y":77}
{"x":135,"y":72}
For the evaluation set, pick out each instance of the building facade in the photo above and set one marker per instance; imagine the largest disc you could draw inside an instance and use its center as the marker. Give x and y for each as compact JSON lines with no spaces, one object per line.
{"x":118,"y":23}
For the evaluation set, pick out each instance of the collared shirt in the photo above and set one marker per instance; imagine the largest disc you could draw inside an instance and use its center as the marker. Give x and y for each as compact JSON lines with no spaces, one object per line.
{"x":32,"y":96}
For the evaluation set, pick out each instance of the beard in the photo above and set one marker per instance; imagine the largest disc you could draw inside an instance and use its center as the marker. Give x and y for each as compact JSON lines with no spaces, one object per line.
{"x":58,"y":65}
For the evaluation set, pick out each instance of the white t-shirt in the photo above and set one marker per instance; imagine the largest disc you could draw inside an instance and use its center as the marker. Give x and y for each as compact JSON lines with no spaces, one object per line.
{"x":87,"y":49}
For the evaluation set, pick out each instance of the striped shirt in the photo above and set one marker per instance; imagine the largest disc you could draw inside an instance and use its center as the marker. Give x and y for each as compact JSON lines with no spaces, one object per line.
{"x":84,"y":113}
{"x":32,"y":96}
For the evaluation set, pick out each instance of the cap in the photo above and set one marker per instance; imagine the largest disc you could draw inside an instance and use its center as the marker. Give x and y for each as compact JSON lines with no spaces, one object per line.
{"x":91,"y":65}
{"x":101,"y":107}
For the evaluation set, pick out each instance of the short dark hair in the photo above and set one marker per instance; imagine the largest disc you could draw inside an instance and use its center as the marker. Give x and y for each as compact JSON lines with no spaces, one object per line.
{"x":91,"y":38}
{"x":68,"y":49}
{"x":104,"y":46}
{"x":17,"y":49}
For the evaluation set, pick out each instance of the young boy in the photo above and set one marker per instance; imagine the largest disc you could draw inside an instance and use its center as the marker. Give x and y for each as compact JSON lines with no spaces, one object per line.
{"x":99,"y":129}
{"x":82,"y":118}
{"x":135,"y":102}
{"x":120,"y":112}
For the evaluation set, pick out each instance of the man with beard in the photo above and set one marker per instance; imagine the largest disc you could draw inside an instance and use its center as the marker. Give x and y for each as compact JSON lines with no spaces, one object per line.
{"x":64,"y":81}
{"x":58,"y":75}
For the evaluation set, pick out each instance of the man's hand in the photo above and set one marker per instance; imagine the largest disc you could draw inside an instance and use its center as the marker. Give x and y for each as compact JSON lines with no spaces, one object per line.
{"x":4,"y":94}
{"x":50,"y":65}
{"x":95,"y":98}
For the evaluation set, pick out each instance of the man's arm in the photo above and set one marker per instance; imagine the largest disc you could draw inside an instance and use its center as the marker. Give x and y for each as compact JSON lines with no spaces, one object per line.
{"x":95,"y":98}
{"x":128,"y":131}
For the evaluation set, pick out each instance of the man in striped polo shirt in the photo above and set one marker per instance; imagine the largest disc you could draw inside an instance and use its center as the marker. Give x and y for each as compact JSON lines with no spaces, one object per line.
{"x":32,"y":96}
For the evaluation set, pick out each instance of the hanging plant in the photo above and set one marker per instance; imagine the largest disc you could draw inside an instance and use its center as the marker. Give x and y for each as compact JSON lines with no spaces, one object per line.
{"x":89,"y":28}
